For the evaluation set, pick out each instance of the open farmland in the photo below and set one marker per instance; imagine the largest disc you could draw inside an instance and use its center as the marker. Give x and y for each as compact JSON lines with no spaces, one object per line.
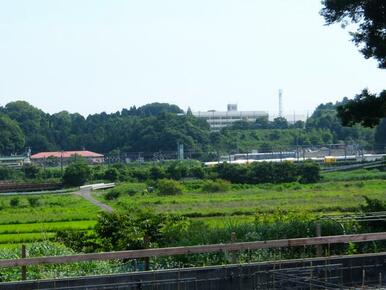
{"x":38,"y":217}
{"x":21,"y":222}
{"x":330,"y":195}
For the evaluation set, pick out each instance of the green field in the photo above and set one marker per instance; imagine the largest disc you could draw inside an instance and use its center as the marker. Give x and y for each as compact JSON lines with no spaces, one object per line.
{"x":24,"y":223}
{"x":338,"y":192}
{"x":340,"y":196}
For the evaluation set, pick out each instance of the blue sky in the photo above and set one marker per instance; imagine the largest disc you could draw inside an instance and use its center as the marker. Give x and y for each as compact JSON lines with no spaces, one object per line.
{"x":89,"y":56}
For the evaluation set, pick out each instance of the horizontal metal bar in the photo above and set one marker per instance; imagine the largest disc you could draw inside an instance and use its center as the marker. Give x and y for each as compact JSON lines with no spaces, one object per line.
{"x":135,"y":254}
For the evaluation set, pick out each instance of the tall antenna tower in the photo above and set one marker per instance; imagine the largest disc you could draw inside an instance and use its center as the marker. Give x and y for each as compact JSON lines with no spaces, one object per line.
{"x":280,"y":103}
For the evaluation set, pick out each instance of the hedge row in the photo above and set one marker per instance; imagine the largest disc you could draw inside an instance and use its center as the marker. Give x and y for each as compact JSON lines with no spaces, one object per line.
{"x":258,"y":172}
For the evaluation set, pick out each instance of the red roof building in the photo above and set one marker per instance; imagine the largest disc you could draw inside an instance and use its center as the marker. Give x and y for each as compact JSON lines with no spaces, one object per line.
{"x":92,"y":157}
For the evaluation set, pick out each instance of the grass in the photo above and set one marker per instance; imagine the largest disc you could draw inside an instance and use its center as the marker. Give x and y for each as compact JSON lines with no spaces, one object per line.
{"x":25,"y":237}
{"x":338,"y":192}
{"x":360,"y":174}
{"x":46,"y":227}
{"x":342,"y":196}
{"x":65,"y":207}
{"x":26,"y":224}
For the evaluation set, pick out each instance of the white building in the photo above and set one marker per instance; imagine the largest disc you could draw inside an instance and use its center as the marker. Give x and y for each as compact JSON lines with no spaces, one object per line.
{"x":221,"y":119}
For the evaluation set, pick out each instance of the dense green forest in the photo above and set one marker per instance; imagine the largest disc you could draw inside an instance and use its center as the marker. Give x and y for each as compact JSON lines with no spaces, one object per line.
{"x":159,"y":127}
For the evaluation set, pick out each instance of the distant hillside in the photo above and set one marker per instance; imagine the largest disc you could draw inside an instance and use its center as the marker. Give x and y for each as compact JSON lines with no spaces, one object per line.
{"x":160,"y":126}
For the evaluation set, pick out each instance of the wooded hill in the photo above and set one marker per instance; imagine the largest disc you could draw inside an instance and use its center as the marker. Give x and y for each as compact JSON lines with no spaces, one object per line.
{"x":160,"y":126}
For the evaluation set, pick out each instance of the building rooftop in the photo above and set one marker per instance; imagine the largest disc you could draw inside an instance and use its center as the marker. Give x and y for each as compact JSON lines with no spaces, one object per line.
{"x":65,"y":154}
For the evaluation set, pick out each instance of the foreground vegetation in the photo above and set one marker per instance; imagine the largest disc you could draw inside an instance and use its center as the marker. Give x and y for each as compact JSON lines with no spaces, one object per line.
{"x":201,"y":211}
{"x":244,"y":200}
{"x":30,"y":218}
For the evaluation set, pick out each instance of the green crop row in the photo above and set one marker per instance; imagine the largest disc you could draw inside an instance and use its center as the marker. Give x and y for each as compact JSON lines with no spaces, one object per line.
{"x":326,"y":197}
{"x":46,"y":227}
{"x":25,"y":237}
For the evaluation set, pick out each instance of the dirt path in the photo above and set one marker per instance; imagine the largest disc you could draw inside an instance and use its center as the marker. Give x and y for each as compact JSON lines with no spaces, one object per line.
{"x":86,"y":194}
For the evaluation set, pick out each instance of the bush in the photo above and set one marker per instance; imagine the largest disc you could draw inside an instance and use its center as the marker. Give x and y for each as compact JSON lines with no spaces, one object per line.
{"x":197,"y":171}
{"x":33,"y":201}
{"x":177,"y":170}
{"x":127,"y":230}
{"x":78,"y":241}
{"x":111,"y":174}
{"x":125,"y":189}
{"x":14,"y":201}
{"x":140,"y":174}
{"x":217,"y":185}
{"x":6,"y":173}
{"x":157,"y":172}
{"x":112,"y":194}
{"x":31,"y":170}
{"x":268,"y":172}
{"x":169,"y":187}
{"x":76,"y":174}
{"x":309,"y":172}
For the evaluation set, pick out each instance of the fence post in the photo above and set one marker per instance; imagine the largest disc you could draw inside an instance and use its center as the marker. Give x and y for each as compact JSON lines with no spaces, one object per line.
{"x":233,"y":253}
{"x":23,"y":268}
{"x":146,"y":242}
{"x":318,"y":234}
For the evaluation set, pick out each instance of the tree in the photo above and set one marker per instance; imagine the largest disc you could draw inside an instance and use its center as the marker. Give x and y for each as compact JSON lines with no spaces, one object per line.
{"x":299,"y":124}
{"x":369,"y":18}
{"x":366,"y":109}
{"x":111,"y":174}
{"x":11,"y":136}
{"x":262,"y":122}
{"x":138,"y":229}
{"x":325,"y":118}
{"x":33,"y":122}
{"x":76,"y":174}
{"x":380,"y":135}
{"x":240,"y":125}
{"x":31,"y":170}
{"x":169,"y":187}
{"x":155,"y":109}
{"x":7,"y":173}
{"x":280,"y":123}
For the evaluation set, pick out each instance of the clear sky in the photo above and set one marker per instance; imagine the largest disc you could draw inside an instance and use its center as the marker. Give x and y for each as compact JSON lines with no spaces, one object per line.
{"x":90,"y":56}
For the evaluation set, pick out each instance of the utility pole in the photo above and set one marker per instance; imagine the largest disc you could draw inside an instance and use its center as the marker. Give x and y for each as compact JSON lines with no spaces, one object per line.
{"x":280,"y":103}
{"x":61,"y":162}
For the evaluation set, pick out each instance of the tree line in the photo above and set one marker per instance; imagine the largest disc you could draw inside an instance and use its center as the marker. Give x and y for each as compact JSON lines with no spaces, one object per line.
{"x":159,"y":127}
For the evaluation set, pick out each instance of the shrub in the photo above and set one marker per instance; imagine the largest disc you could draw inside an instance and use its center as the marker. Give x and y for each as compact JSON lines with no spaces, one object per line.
{"x":309,"y":172}
{"x":112,"y":194}
{"x":76,"y":174}
{"x":169,"y":187}
{"x":140,"y":174}
{"x":14,"y":201}
{"x":197,"y":171}
{"x":78,"y":241}
{"x":217,"y":185}
{"x":136,"y":228}
{"x":6,"y":173}
{"x":373,"y":205}
{"x":177,"y":170}
{"x":111,"y":174}
{"x":33,"y":201}
{"x":31,"y":170}
{"x":125,"y":189}
{"x":157,"y":172}
{"x":268,"y":172}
